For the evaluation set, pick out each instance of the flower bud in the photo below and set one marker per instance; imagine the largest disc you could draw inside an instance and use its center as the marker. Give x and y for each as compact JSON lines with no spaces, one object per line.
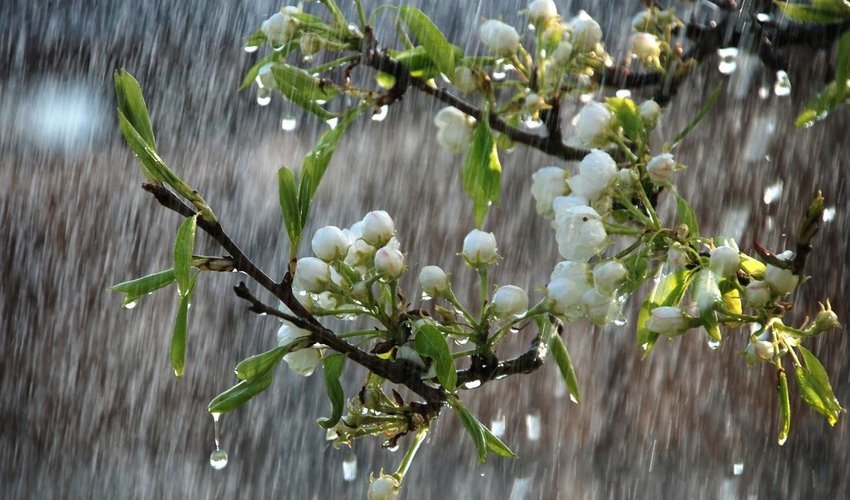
{"x":561,"y":54}
{"x":826,"y":319}
{"x":479,"y":248}
{"x":645,"y":47}
{"x":661,"y":168}
{"x":311,"y":44}
{"x":280,"y":26}
{"x":586,"y":32}
{"x":642,"y":21}
{"x":385,"y":487}
{"x":760,"y":350}
{"x":600,"y":308}
{"x":312,"y":274}
{"x":500,"y":38}
{"x":433,"y":281}
{"x":465,"y":79}
{"x":757,"y":293}
{"x":609,"y":275}
{"x":706,"y":293}
{"x":330,"y":243}
{"x":593,"y":123}
{"x":378,"y":228}
{"x":540,"y":10}
{"x":287,"y":334}
{"x":596,"y":171}
{"x":649,"y":112}
{"x":580,"y":233}
{"x":304,"y":361}
{"x":724,"y":261}
{"x":510,"y":301}
{"x":455,"y":129}
{"x":781,"y":281}
{"x":389,"y":262}
{"x":667,"y":321}
{"x":564,"y":298}
{"x":360,"y":254}
{"x":547,"y":184}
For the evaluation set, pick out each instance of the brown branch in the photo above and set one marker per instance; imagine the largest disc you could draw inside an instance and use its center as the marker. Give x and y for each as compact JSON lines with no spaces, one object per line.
{"x":527,"y":362}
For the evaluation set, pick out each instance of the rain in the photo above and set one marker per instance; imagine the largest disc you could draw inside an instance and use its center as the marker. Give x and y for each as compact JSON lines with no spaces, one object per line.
{"x":90,"y":406}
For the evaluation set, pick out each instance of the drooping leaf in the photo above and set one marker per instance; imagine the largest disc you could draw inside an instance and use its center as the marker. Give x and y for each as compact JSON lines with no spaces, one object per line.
{"x":251,"y":367}
{"x":495,"y":445}
{"x":177,"y":352}
{"x":565,"y":365}
{"x":482,"y":172}
{"x":474,"y":428}
{"x":135,"y":289}
{"x":316,"y":162}
{"x":815,"y":387}
{"x":784,"y":408}
{"x":439,"y":50}
{"x":184,"y":246}
{"x":333,"y":366}
{"x":289,"y":207}
{"x":430,"y":342}
{"x":252,"y":73}
{"x":686,"y":215}
{"x":131,"y":103}
{"x":241,"y":393}
{"x":712,"y":100}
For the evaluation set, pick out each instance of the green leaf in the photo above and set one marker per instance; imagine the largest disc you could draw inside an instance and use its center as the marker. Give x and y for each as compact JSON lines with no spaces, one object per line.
{"x":251,"y":367}
{"x":184,"y":246}
{"x":240,"y":393}
{"x":628,"y":116}
{"x":177,"y":352}
{"x":670,"y":291}
{"x":133,"y":290}
{"x":482,"y":172}
{"x":333,"y":366}
{"x":131,"y":103}
{"x":274,"y":56}
{"x":712,"y":100}
{"x":473,"y":427}
{"x":565,"y":365}
{"x":784,"y":408}
{"x":316,"y":162}
{"x":430,"y":342}
{"x":303,"y":89}
{"x":815,"y":387}
{"x":754,"y":268}
{"x":686,"y":215}
{"x":833,"y":94}
{"x":495,"y":445}
{"x":440,"y":51}
{"x":822,"y":12}
{"x":289,"y":207}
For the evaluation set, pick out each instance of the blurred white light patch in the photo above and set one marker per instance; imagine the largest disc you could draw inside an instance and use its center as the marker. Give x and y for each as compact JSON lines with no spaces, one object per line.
{"x":59,"y":114}
{"x":773,"y":192}
{"x":828,"y":214}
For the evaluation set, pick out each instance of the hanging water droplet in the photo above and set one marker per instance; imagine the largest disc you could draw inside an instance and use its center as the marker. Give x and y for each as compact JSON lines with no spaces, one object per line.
{"x":573,"y":399}
{"x":250,"y":48}
{"x":738,"y":468}
{"x":381,"y":114}
{"x":782,"y":87}
{"x":532,"y":426}
{"x":288,"y":123}
{"x":713,"y":344}
{"x":460,"y":340}
{"x":131,"y":305}
{"x":349,"y":467}
{"x":218,"y":459}
{"x":472,"y":384}
{"x":728,"y":60}
{"x":264,"y":97}
{"x":497,"y":425}
{"x":499,"y":71}
{"x":332,"y":123}
{"x":772,"y":192}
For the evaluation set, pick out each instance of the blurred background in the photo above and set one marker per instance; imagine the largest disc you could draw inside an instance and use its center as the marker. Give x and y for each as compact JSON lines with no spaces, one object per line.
{"x":89,"y":406}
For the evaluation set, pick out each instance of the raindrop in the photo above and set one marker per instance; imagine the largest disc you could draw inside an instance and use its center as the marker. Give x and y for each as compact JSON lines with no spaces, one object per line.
{"x":218,"y":459}
{"x":332,"y":123}
{"x":624,"y":93}
{"x":782,"y":440}
{"x":764,"y":17}
{"x":738,"y":468}
{"x":288,"y":123}
{"x":531,"y":27}
{"x":381,"y":114}
{"x":131,"y":305}
{"x":250,"y":48}
{"x":764,"y":92}
{"x":472,"y":384}
{"x":264,"y":97}
{"x":828,"y":214}
{"x":573,"y":399}
{"x":497,"y":425}
{"x":772,"y":192}
{"x":728,"y":60}
{"x":349,"y":468}
{"x":499,"y":70}
{"x":532,"y":426}
{"x":782,"y":87}
{"x":713,"y":344}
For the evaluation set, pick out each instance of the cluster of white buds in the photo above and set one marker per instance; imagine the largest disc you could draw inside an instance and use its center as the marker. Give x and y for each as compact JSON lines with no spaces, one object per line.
{"x":500,"y":38}
{"x":455,"y":129}
{"x":281,"y":26}
{"x":577,"y":291}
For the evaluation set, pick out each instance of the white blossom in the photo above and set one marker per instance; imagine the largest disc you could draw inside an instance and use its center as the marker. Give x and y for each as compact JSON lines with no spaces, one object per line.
{"x":378,"y":228}
{"x":596,"y":171}
{"x":760,"y":350}
{"x":360,"y":255}
{"x":781,"y":281}
{"x":667,"y":321}
{"x":580,"y":233}
{"x":455,"y":129}
{"x":547,"y":184}
{"x":479,"y":248}
{"x":500,"y":38}
{"x":564,"y":298}
{"x":661,"y":168}
{"x":724,"y":261}
{"x":389,"y":262}
{"x":433,"y":281}
{"x":330,"y":243}
{"x":312,"y":274}
{"x":561,"y":54}
{"x":609,"y":275}
{"x":465,"y":79}
{"x":280,"y":26}
{"x":586,"y":32}
{"x":649,"y":112}
{"x":593,"y":123}
{"x":304,"y":361}
{"x":757,"y":293}
{"x":510,"y":300}
{"x":600,"y":308}
{"x":562,"y":203}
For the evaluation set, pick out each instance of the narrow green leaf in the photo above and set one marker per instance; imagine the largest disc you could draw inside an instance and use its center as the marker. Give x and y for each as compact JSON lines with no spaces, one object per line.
{"x":131,"y":103}
{"x":288,"y":195}
{"x":474,"y":428}
{"x":333,"y":366}
{"x":252,"y":73}
{"x":495,"y":445}
{"x":133,"y":290}
{"x":815,"y":387}
{"x":430,"y":342}
{"x":565,"y":365}
{"x":686,"y":215}
{"x":240,"y":393}
{"x":482,"y":173}
{"x":251,"y":367}
{"x":712,"y":100}
{"x":823,"y":13}
{"x":177,"y":352}
{"x":303,"y":89}
{"x":784,"y":408}
{"x":149,"y":162}
{"x":429,"y":35}
{"x":184,"y":246}
{"x":316,"y":162}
